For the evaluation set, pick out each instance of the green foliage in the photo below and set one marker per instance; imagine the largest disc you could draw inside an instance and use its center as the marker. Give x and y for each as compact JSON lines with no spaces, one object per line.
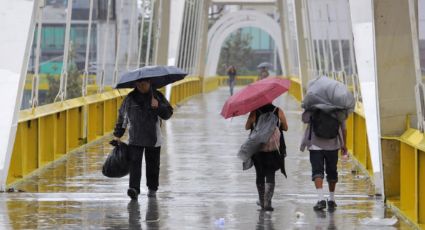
{"x":52,"y":91}
{"x":237,"y":51}
{"x":74,"y":83}
{"x":73,"y":89}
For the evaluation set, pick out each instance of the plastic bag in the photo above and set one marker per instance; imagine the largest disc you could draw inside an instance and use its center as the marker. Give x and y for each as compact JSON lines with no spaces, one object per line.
{"x":117,"y":163}
{"x":378,"y":221}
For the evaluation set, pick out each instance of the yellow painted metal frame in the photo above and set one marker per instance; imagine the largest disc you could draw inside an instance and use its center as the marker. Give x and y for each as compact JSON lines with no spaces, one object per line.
{"x":184,"y":89}
{"x":210,"y":84}
{"x":49,"y":132}
{"x":409,"y":198}
{"x":296,"y":90}
{"x":240,"y":80}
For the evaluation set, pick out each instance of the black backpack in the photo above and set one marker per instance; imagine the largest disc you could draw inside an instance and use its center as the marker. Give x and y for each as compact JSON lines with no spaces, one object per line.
{"x":324,"y":125}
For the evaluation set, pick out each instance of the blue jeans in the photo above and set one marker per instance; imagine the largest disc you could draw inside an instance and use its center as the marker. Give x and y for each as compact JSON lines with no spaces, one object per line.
{"x":231,"y":82}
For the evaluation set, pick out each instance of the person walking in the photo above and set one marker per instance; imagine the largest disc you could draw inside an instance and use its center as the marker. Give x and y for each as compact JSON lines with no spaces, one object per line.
{"x":268,"y":160}
{"x":327,"y":104}
{"x":264,"y":73}
{"x":142,"y":110}
{"x":324,"y":136}
{"x":231,"y":72}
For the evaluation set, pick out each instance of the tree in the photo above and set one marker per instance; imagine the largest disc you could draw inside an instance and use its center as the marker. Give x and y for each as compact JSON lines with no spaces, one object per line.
{"x":236,"y":51}
{"x":73,"y":83}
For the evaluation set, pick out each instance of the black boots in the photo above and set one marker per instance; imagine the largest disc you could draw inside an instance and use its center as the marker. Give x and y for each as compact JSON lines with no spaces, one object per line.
{"x":268,"y":195}
{"x":132,"y":193}
{"x":265,"y":195}
{"x":260,"y":189}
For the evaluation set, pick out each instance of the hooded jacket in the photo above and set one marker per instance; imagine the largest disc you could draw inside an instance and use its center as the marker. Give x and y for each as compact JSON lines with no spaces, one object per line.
{"x":143,"y":120}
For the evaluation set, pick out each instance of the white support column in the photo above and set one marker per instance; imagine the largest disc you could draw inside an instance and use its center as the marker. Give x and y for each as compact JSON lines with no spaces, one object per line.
{"x":119,"y":25}
{"x":130,"y":48}
{"x":175,"y":28}
{"x":363,"y":31}
{"x":164,"y":33}
{"x":17,"y":21}
{"x":319,"y":57}
{"x":62,"y":94}
{"x":189,"y":28}
{"x":175,"y":33}
{"x":198,"y":48}
{"x":301,"y":48}
{"x":193,"y":37}
{"x":36,"y":77}
{"x":310,"y":41}
{"x":141,"y":30}
{"x":284,"y":30}
{"x":182,"y":42}
{"x":157,"y":30}
{"x":104,"y":43}
{"x":385,"y":58}
{"x":325,"y":56}
{"x":203,"y":38}
{"x":341,"y":54}
{"x":148,"y":46}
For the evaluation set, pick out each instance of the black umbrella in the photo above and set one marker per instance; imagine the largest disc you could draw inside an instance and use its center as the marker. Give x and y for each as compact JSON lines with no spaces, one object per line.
{"x":159,"y":76}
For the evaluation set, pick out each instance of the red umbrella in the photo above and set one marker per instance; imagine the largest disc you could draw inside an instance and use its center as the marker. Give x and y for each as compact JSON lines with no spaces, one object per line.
{"x":254,"y":96}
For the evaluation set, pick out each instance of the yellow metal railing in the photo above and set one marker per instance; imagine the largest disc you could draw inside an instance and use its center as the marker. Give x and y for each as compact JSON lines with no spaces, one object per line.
{"x":211,"y":84}
{"x":406,"y":190}
{"x":357,"y":142}
{"x":184,"y":89}
{"x":240,"y":80}
{"x":49,"y":132}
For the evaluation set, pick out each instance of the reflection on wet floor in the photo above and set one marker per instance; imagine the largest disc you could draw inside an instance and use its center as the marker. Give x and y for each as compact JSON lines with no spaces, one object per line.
{"x":202,"y":185}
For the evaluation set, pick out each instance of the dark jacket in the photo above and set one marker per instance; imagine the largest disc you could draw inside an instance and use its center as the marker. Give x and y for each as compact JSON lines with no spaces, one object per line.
{"x":137,"y":112}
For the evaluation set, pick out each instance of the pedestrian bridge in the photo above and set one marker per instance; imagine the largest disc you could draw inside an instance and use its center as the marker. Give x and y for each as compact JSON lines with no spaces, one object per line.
{"x":55,"y":127}
{"x":201,"y":181}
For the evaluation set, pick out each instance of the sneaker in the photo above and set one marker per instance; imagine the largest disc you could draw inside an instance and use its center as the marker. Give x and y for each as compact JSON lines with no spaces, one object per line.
{"x":320,"y":205}
{"x":151,"y":193}
{"x":132,"y":193}
{"x":331,"y":205}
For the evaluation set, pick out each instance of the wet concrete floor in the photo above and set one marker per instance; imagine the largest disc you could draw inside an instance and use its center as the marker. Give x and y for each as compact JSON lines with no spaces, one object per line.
{"x":202,"y":185}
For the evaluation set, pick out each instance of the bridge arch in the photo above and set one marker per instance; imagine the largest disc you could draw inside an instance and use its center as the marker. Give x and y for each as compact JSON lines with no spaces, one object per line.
{"x":231,"y":22}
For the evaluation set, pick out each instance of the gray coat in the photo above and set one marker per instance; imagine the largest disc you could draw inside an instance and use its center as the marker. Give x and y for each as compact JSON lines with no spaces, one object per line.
{"x":142,"y":119}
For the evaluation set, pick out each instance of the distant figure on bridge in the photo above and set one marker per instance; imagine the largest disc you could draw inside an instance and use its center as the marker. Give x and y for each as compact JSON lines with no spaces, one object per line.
{"x":231,"y":72}
{"x":270,"y":158}
{"x":326,"y":132}
{"x":142,"y":110}
{"x":264,"y":73}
